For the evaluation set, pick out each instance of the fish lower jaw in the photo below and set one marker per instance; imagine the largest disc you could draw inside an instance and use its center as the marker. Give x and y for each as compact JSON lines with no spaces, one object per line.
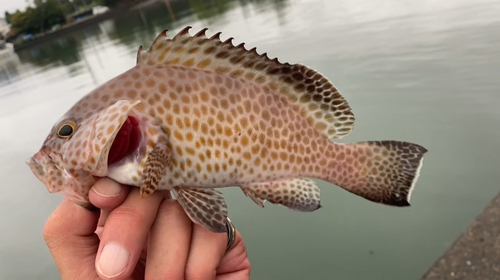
{"x":126,"y":173}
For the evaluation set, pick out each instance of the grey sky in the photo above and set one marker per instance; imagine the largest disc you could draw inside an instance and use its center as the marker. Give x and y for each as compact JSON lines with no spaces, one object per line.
{"x":11,"y":6}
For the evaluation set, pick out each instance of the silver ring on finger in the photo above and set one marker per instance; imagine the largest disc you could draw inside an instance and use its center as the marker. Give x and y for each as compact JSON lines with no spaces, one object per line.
{"x":231,"y":234}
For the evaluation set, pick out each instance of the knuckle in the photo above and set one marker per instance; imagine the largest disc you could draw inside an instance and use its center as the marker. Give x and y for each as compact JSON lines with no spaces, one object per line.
{"x":171,"y":205}
{"x":199,"y":273}
{"x":220,"y":239}
{"x":174,"y":273}
{"x":169,"y":210}
{"x":48,"y":235}
{"x":128,"y":214}
{"x":50,"y":229}
{"x":248,"y":269}
{"x":52,"y":234}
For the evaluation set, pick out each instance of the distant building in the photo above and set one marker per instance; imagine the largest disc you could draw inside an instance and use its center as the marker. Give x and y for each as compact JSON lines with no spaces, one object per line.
{"x":4,"y":27}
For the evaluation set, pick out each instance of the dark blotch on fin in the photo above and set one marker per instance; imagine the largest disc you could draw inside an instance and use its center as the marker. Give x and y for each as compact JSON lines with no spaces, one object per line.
{"x":204,"y":206}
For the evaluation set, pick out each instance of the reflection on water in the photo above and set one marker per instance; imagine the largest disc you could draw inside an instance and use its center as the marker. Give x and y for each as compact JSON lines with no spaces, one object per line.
{"x":423,"y":71}
{"x":10,"y":67}
{"x":146,"y":23}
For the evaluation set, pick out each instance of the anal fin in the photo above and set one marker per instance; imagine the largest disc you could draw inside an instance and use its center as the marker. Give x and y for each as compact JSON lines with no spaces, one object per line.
{"x":156,"y":167}
{"x":297,"y":194}
{"x":253,"y":196}
{"x":204,"y":206}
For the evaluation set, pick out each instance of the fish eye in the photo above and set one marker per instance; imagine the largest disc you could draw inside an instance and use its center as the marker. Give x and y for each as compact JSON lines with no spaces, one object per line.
{"x":66,"y":130}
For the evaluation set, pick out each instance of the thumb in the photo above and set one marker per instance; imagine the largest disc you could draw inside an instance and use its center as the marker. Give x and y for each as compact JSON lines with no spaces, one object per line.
{"x":69,"y":234}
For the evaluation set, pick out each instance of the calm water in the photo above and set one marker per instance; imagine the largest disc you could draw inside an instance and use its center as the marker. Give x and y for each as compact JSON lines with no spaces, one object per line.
{"x":423,"y":71}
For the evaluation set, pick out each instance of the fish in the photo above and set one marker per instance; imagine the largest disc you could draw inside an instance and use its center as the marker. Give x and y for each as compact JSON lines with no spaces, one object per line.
{"x":196,"y":114}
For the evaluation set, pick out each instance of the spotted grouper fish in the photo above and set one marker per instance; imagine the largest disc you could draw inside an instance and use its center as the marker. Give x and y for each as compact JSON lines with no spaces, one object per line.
{"x":196,"y":114}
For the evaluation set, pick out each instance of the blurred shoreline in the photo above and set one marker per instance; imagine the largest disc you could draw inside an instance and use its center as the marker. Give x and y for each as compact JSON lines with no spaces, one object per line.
{"x":112,"y":13}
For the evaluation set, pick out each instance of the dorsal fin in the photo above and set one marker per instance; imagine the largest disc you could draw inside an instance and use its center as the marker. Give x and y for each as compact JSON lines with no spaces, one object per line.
{"x":319,"y":100}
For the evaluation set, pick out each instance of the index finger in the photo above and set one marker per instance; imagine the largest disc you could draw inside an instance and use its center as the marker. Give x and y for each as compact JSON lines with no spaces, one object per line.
{"x":69,"y":234}
{"x":125,"y":233}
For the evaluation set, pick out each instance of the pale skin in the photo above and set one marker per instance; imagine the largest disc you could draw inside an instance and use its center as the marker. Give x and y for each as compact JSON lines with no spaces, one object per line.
{"x":161,"y":242}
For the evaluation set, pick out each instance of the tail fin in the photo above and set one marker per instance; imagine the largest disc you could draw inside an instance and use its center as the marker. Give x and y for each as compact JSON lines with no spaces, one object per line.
{"x":381,"y":171}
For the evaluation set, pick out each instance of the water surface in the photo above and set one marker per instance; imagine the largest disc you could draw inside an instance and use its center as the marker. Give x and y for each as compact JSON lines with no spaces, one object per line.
{"x":421,"y":71}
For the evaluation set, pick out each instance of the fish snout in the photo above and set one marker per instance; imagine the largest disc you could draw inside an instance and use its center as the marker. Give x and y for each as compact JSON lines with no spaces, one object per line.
{"x":41,"y":157}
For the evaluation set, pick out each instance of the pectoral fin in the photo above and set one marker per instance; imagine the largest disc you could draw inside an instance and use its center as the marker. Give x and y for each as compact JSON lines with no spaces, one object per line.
{"x":156,"y":168}
{"x":204,"y":206}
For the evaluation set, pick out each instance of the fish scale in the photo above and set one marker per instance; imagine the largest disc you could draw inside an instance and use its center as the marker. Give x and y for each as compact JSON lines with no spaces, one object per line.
{"x":197,"y":113}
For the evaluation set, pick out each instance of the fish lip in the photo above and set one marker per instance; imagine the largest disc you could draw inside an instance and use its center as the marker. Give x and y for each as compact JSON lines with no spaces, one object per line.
{"x":38,"y":157}
{"x":30,"y":161}
{"x":42,"y":163}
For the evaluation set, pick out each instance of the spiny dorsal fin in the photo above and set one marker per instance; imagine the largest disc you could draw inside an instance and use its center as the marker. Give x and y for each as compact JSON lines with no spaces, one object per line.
{"x":139,"y":56}
{"x":316,"y":96}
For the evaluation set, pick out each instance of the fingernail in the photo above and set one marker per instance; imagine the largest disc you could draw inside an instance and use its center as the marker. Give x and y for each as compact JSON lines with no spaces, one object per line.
{"x":113,"y":261}
{"x":107,"y":190}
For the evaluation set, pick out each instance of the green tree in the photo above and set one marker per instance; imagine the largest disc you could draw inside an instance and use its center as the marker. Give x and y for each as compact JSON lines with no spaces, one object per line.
{"x":51,"y":14}
{"x":20,"y":21}
{"x":7,"y":17}
{"x":41,"y":18}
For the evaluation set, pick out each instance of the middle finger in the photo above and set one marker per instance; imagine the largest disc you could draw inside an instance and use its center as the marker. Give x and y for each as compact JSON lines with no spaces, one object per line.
{"x":169,"y":242}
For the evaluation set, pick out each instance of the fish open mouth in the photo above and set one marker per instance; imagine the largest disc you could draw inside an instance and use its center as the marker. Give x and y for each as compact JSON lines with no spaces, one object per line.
{"x":126,"y":141}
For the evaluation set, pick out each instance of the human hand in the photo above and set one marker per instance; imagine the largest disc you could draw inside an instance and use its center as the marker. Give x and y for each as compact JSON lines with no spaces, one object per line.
{"x":134,"y":238}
